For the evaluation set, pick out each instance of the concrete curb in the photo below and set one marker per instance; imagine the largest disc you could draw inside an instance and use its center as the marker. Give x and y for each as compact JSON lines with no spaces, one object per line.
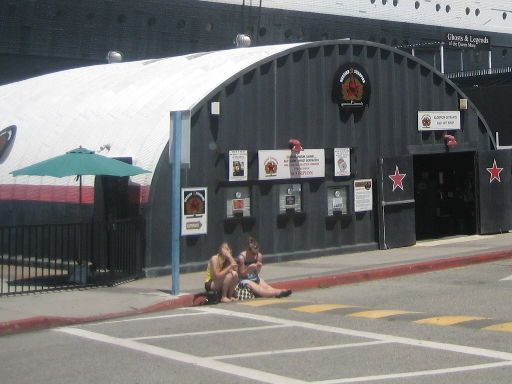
{"x":189,"y":300}
{"x":45,"y":322}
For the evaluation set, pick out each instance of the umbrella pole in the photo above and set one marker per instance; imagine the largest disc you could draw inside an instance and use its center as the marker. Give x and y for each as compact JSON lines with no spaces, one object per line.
{"x":79,"y":226}
{"x":80,"y":192}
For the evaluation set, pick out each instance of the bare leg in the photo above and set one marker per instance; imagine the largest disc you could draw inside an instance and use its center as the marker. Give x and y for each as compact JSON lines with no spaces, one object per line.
{"x":232,"y":285}
{"x":280,"y":292}
{"x":228,"y":285}
{"x":264,"y":290}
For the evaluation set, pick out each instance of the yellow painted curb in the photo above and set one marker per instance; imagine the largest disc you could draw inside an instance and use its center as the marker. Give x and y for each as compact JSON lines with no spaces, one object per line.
{"x":317,"y":308}
{"x":379,"y":314}
{"x":448,"y":320}
{"x":504,"y":327}
{"x":263,"y":302}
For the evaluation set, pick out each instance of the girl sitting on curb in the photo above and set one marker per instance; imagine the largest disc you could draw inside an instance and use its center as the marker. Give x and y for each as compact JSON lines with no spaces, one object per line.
{"x":250,"y":263}
{"x":221,"y":274}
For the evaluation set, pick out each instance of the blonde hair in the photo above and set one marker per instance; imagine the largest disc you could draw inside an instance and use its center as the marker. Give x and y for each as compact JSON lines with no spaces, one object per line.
{"x":252,"y":244}
{"x":222,"y":245}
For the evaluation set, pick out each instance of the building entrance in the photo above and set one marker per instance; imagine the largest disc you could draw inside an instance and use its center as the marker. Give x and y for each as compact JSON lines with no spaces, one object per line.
{"x":444,"y":192}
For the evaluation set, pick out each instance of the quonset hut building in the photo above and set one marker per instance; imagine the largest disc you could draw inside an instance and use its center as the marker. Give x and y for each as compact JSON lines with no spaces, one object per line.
{"x":392,"y":151}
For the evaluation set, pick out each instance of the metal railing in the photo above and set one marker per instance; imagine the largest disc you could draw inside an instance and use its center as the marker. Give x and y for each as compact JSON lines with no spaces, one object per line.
{"x":36,"y":258}
{"x":479,"y":72}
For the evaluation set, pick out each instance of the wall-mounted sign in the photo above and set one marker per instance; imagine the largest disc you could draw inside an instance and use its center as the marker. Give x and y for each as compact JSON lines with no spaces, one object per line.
{"x":7,"y":136}
{"x":438,"y":120}
{"x":290,"y":198}
{"x":337,"y":200}
{"x":194,"y":211}
{"x":286,"y":164}
{"x":238,"y":201}
{"x":238,"y":165}
{"x":467,"y":41}
{"x":341,"y":161}
{"x":351,"y":86}
{"x":363,"y":195}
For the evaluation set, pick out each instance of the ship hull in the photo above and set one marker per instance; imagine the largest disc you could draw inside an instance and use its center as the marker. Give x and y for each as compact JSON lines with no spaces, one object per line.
{"x":50,"y":35}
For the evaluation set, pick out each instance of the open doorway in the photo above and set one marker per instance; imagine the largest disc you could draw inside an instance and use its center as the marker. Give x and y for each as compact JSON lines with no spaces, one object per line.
{"x":444,"y":192}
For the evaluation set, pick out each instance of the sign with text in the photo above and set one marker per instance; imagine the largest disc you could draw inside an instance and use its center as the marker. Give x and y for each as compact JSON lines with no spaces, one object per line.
{"x":341,"y":161}
{"x":351,"y":88}
{"x":290,"y":198}
{"x":467,"y":41}
{"x":438,"y":120}
{"x":285,"y":164}
{"x":194,"y":211}
{"x":238,"y":165}
{"x":363,"y":195}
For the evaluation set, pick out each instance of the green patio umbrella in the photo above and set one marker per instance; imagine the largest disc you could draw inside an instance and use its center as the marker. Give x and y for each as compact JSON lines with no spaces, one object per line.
{"x":79,"y":162}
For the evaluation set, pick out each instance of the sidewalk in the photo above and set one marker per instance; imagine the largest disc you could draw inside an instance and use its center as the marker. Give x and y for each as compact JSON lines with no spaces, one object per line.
{"x":38,"y":311}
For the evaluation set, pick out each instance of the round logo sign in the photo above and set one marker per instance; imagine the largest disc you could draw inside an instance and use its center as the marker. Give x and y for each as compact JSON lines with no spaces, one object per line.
{"x":351,"y":87}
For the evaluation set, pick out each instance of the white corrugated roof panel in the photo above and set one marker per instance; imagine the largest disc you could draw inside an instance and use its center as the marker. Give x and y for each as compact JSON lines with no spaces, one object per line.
{"x":126,"y":105}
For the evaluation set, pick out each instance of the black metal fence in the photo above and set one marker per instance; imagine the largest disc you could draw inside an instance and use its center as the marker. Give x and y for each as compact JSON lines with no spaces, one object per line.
{"x":35,"y":258}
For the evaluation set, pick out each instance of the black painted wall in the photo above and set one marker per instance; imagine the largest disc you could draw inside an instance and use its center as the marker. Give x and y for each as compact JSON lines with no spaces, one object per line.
{"x":290,"y":96}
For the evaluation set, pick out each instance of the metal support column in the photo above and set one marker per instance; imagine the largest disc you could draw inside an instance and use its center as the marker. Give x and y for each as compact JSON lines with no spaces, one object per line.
{"x":441,"y":50}
{"x":175,"y":158}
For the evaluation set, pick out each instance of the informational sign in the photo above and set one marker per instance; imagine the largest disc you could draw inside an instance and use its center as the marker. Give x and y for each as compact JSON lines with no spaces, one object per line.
{"x":351,"y":88}
{"x":290,"y":198}
{"x":468,"y":41}
{"x":238,"y":165}
{"x":363,"y":195}
{"x":194,"y":211}
{"x":286,"y":164}
{"x":341,"y":161}
{"x":337,"y":200}
{"x":438,"y":120}
{"x":238,"y":202}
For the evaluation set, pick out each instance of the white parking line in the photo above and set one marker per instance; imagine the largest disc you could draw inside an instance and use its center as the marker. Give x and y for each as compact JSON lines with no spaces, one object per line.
{"x":297,"y":350}
{"x":261,"y":376}
{"x":149,"y":318}
{"x":263,"y":327}
{"x":215,"y":363}
{"x":368,"y":335}
{"x":507,"y":278}
{"x":416,"y":374}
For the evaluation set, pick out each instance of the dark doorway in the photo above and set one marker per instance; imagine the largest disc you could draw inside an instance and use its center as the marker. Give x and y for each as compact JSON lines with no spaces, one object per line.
{"x":444,"y":192}
{"x":115,"y":197}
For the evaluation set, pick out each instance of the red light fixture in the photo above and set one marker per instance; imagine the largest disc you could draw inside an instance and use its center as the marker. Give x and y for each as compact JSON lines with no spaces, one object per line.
{"x":450,"y":140}
{"x":295,"y":145}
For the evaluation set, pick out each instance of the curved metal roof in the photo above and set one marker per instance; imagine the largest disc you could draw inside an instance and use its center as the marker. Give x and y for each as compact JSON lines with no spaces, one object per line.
{"x":125,"y":105}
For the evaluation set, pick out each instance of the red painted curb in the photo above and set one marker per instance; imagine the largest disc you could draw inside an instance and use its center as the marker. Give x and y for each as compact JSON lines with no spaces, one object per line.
{"x":189,"y":300}
{"x":44,"y":322}
{"x":387,"y":272}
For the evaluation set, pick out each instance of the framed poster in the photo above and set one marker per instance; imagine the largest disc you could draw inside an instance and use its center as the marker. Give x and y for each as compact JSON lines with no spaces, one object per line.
{"x":341,"y":162}
{"x":290,"y":198}
{"x":238,"y":201}
{"x":337,"y":200}
{"x":363,"y":195}
{"x":194,"y":211}
{"x":238,"y":165}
